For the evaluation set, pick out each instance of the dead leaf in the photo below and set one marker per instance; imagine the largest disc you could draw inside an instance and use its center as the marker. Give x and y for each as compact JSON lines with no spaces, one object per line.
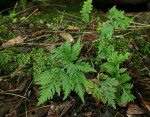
{"x":135,"y":109}
{"x":72,"y":28}
{"x":146,"y":105}
{"x":52,"y":110}
{"x":63,"y":108}
{"x":96,"y":80}
{"x":16,"y":40}
{"x":66,"y":36}
{"x":87,"y":114}
{"x":90,"y":37}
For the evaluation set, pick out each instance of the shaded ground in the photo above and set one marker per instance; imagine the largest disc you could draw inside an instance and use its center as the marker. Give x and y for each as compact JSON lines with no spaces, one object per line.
{"x":45,"y":29}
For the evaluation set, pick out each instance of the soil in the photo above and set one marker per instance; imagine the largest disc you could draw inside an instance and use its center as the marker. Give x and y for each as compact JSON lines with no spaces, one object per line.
{"x":18,"y":93}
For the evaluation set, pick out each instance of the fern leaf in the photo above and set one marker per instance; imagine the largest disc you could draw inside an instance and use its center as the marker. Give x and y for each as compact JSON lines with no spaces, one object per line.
{"x":75,"y":50}
{"x":67,"y":84}
{"x":67,"y":48}
{"x":80,"y":81}
{"x":108,"y":88}
{"x":79,"y":90}
{"x":86,"y":10}
{"x":84,"y":66}
{"x":124,"y":78}
{"x":46,"y":93}
{"x":43,"y":78}
{"x":127,"y":96}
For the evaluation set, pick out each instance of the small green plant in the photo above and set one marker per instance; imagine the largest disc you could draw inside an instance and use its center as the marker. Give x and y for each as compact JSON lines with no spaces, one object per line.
{"x":23,"y":3}
{"x":107,"y":50}
{"x":13,"y":17}
{"x":66,"y":73}
{"x":86,"y":10}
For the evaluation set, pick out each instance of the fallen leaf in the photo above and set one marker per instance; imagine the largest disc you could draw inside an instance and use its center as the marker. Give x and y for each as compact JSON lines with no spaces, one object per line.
{"x":87,"y":114}
{"x":52,"y":110}
{"x":90,"y":37}
{"x":146,"y":105}
{"x":72,"y":28}
{"x":66,"y":36}
{"x":135,"y":109}
{"x":16,"y":40}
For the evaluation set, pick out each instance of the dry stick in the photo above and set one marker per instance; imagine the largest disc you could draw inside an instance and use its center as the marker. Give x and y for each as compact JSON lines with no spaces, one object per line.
{"x":39,"y":37}
{"x":141,"y":24}
{"x":26,"y":95}
{"x":68,"y":106}
{"x":73,"y":17}
{"x":28,"y":16}
{"x":13,"y":95}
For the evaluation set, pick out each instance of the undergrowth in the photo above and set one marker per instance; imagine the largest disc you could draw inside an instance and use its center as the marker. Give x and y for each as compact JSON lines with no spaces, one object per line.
{"x":63,"y":70}
{"x":67,"y":70}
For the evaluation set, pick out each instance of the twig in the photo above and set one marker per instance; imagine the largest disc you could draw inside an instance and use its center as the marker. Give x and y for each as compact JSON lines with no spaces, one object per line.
{"x":13,"y":95}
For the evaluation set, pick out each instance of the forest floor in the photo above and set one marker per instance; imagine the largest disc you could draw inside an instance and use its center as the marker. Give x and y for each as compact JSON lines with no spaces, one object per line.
{"x":47,"y":27}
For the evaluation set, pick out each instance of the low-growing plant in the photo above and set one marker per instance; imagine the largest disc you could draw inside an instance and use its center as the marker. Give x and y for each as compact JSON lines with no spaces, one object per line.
{"x":62,"y":70}
{"x":66,"y":73}
{"x":66,"y":70}
{"x":86,"y":10}
{"x":107,"y":50}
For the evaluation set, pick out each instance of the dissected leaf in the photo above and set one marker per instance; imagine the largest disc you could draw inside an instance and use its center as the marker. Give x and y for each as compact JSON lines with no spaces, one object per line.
{"x":86,"y":10}
{"x":66,"y":73}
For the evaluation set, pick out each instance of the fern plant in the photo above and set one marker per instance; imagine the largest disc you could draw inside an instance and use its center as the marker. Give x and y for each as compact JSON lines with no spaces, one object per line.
{"x":65,"y":74}
{"x":112,"y":67}
{"x":86,"y":10}
{"x":122,"y":89}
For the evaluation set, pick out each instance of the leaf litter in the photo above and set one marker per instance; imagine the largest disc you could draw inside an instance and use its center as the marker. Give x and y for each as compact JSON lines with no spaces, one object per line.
{"x":18,"y":98}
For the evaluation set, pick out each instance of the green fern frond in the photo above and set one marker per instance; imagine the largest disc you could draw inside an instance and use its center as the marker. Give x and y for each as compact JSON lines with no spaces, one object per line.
{"x":67,"y":84}
{"x":108,"y":88}
{"x":83,"y":66}
{"x":75,"y":50}
{"x":80,"y":81}
{"x":124,"y":78}
{"x":46,"y":93}
{"x":127,"y":96}
{"x":86,"y":10}
{"x":118,"y":19}
{"x":66,"y":73}
{"x":46,"y":75}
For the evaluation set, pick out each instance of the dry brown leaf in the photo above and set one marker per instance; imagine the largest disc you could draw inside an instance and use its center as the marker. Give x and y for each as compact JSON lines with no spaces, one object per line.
{"x":66,"y":36}
{"x":73,"y":28}
{"x":16,"y":40}
{"x":135,"y":109}
{"x":90,"y":37}
{"x":146,"y":105}
{"x":87,"y":114}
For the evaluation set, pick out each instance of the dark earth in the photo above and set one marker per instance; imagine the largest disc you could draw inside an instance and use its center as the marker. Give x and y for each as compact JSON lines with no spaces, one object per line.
{"x":18,"y":98}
